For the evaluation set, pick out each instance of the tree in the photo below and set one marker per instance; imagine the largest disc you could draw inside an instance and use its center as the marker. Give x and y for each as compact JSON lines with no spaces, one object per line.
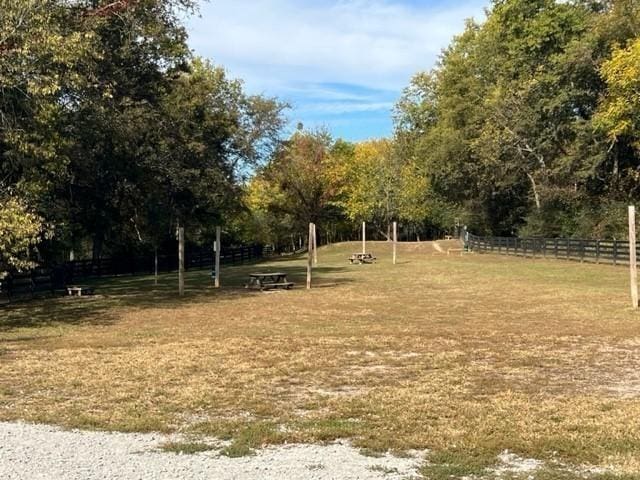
{"x":619,"y":113}
{"x":299,"y":171}
{"x":210,"y":132}
{"x":20,"y":231}
{"x":371,"y":186}
{"x":504,"y":125}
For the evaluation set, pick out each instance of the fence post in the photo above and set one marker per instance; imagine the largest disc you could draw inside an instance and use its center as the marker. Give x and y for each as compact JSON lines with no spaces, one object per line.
{"x":581,"y":251}
{"x":633,"y":266}
{"x":218,"y":249}
{"x":310,"y":254}
{"x":181,"y":261}
{"x":568,"y":249}
{"x":597,"y":251}
{"x":315,"y":245}
{"x":615,"y":252}
{"x":395,"y":241}
{"x":364,"y":238}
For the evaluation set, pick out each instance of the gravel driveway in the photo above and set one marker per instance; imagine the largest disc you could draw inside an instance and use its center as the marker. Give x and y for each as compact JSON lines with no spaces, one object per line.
{"x":34,"y":452}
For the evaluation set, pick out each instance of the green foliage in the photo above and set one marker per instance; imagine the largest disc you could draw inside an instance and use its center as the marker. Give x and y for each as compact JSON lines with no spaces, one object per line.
{"x":504,"y":126}
{"x":186,"y":447}
{"x":20,"y":231}
{"x":620,"y":112}
{"x":294,"y":188}
{"x":113,"y":132}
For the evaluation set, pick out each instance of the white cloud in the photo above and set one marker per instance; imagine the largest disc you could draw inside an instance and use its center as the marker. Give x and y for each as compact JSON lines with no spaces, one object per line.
{"x":335,"y":108}
{"x":378,"y":43}
{"x":342,"y":63}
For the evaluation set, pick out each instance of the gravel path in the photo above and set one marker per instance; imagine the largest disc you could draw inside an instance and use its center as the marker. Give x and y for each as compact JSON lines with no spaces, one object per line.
{"x":38,"y":452}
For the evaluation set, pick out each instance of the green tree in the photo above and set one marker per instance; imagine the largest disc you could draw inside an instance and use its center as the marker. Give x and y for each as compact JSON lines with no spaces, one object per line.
{"x":20,"y":231}
{"x":504,"y":125}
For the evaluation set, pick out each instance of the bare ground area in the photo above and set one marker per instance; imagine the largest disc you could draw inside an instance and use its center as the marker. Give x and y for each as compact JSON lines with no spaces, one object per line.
{"x":466,"y":356}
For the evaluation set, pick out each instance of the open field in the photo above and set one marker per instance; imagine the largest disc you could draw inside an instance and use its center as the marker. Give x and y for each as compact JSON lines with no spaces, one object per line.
{"x":466,"y":356}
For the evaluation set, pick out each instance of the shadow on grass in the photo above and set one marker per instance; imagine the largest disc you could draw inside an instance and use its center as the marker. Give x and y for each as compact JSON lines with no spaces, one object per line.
{"x":142,"y":292}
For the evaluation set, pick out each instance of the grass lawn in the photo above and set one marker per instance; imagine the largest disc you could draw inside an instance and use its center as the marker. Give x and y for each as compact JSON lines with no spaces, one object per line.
{"x":466,"y":356}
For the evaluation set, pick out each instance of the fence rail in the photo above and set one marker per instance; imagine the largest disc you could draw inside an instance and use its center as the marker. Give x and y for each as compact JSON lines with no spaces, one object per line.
{"x":583,"y":250}
{"x":56,"y":278}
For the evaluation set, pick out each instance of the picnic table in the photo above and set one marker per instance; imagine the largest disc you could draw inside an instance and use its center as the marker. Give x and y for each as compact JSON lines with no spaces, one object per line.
{"x":268,"y":280}
{"x":79,"y":291}
{"x":362,"y":258}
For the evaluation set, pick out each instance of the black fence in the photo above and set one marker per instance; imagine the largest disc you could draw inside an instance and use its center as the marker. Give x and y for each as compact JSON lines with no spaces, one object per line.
{"x":56,"y":278}
{"x":596,"y":251}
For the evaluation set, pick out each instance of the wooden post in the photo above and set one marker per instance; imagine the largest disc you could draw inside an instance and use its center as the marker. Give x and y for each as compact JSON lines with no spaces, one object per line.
{"x":155,"y":267}
{"x":395,"y":241}
{"x":364,"y":237}
{"x":309,"y":256}
{"x":315,"y":245}
{"x":181,"y":260}
{"x":633,"y":266}
{"x":218,"y":248}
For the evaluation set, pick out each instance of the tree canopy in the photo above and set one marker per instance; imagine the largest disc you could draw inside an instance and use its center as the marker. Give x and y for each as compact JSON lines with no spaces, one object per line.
{"x":527,"y":124}
{"x":111,"y":132}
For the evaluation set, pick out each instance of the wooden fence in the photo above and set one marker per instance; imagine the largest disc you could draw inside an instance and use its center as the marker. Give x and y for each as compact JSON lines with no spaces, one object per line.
{"x":596,"y":251}
{"x":56,"y":278}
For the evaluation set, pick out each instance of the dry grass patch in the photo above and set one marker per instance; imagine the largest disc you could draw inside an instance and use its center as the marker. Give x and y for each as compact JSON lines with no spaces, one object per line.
{"x":466,"y":356}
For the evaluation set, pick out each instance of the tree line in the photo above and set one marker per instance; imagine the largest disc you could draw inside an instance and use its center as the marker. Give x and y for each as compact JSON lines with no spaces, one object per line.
{"x":112,"y":133}
{"x":528,"y":125}
{"x":530,"y":122}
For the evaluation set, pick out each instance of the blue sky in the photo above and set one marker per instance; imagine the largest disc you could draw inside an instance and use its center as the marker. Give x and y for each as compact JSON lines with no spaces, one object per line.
{"x":341,"y":64}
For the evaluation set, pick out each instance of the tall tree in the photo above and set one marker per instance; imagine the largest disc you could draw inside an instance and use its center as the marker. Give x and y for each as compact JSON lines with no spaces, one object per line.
{"x":505,"y":123}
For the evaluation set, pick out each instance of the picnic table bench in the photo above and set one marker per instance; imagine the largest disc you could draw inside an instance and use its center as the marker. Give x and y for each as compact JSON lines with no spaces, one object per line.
{"x":362,"y":258}
{"x":79,"y":291}
{"x":269,"y":280}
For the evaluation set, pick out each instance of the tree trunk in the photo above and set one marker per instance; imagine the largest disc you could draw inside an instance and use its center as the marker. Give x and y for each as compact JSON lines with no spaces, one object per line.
{"x":534,"y":187}
{"x":98,"y":241}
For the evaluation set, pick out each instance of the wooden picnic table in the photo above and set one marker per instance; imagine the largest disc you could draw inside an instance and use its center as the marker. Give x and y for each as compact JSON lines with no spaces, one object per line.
{"x":79,"y":291}
{"x":362,"y":258}
{"x":268,"y":280}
